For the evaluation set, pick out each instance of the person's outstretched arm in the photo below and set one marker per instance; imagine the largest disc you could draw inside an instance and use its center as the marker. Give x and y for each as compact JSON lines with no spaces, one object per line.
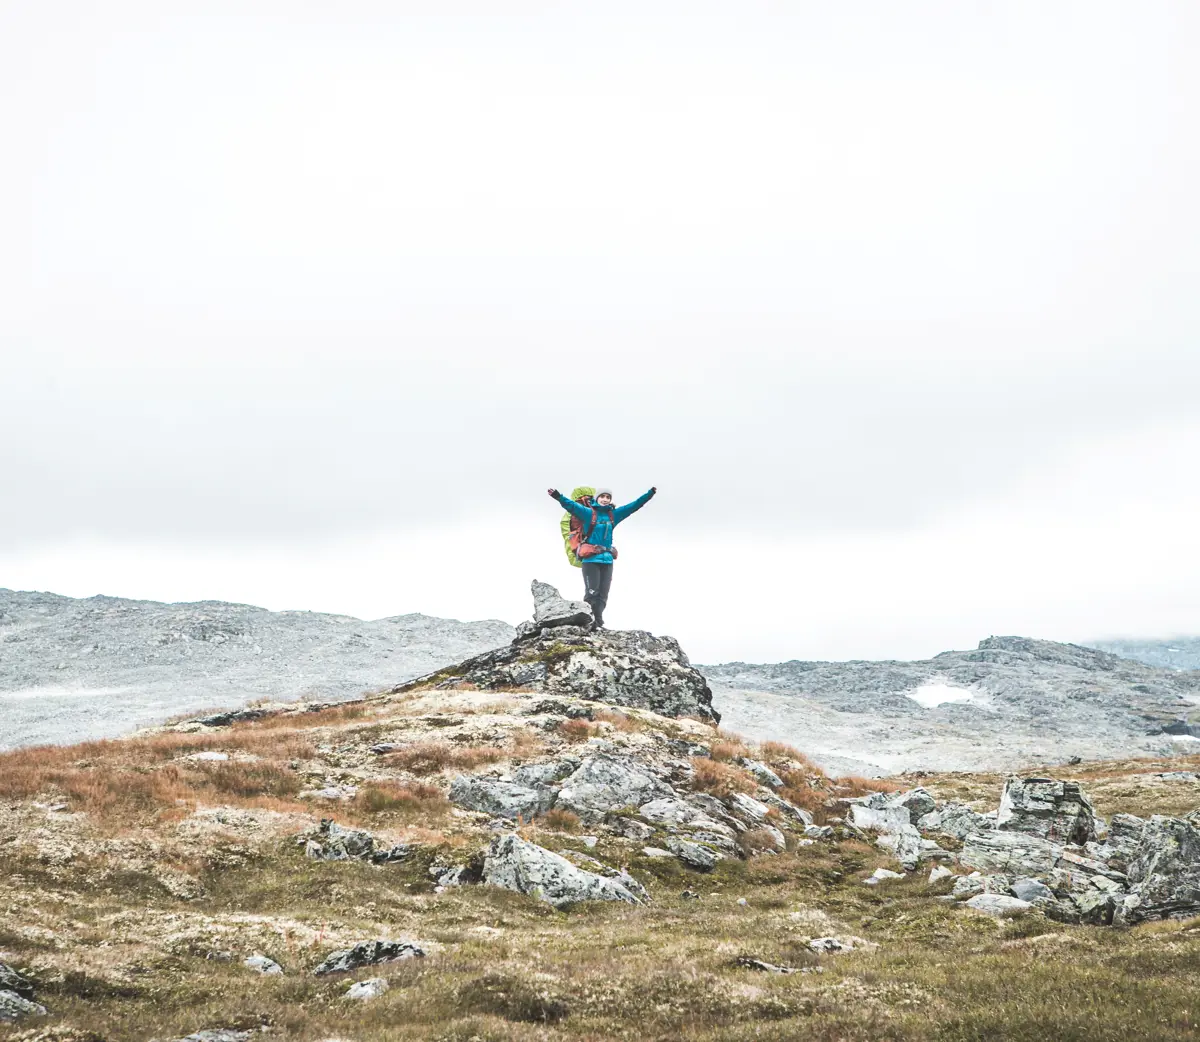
{"x":569,"y":505}
{"x":620,"y":513}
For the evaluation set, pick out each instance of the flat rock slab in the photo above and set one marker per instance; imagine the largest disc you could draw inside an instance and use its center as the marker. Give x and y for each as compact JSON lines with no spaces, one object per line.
{"x":998,"y":904}
{"x":14,"y":1007}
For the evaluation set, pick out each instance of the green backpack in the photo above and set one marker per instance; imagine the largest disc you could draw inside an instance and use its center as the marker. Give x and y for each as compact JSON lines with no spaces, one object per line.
{"x":572,"y":527}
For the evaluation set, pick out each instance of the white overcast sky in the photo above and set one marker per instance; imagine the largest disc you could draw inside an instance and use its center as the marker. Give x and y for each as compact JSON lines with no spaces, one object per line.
{"x":306,"y":305}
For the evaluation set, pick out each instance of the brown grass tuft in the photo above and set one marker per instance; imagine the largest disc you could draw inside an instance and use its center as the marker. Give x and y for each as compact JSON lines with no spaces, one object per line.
{"x":390,"y":798}
{"x":560,"y":819}
{"x":725,"y":751}
{"x":578,"y":730}
{"x":423,"y":758}
{"x":718,"y":778}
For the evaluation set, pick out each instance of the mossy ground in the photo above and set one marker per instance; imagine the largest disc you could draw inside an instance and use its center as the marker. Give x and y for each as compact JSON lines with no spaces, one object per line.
{"x":120,"y":952}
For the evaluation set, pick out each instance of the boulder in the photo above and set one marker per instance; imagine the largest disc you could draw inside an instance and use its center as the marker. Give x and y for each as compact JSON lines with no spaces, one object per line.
{"x":787,"y":808}
{"x":998,"y":904}
{"x":12,"y":980}
{"x":694,"y":854}
{"x":1012,"y":853}
{"x":626,"y":668}
{"x":748,"y":809}
{"x":939,"y":872}
{"x":916,"y":801}
{"x":218,"y":1035}
{"x":881,"y":819}
{"x":1095,"y":907}
{"x":904,"y":844}
{"x":605,"y":783}
{"x":505,"y":799}
{"x":1057,"y":811}
{"x":516,"y":864}
{"x":368,"y":953}
{"x":957,"y":820}
{"x":763,"y":773}
{"x":1164,"y":874}
{"x":333,"y":842}
{"x":1031,"y":890}
{"x":261,"y":964}
{"x":14,"y":1007}
{"x":551,"y":609}
{"x":365,"y":990}
{"x":881,"y":875}
{"x":630,"y":828}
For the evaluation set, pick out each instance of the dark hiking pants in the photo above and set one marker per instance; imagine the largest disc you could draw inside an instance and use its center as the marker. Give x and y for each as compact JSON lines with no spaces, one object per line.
{"x":597,"y":578}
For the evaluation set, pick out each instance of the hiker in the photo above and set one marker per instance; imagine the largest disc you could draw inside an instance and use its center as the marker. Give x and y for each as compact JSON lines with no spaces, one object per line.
{"x":595,"y":549}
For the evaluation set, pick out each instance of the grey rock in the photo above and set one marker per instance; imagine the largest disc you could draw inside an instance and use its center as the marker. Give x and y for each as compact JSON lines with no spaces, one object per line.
{"x":904,"y":844}
{"x":333,"y":842}
{"x":1013,"y":853}
{"x":748,"y":809}
{"x":939,"y":872}
{"x":715,"y":809}
{"x":547,"y":772}
{"x":625,"y":668}
{"x":818,"y":831}
{"x":787,"y":808}
{"x":516,"y":864}
{"x":263,"y":965}
{"x":1095,"y":908}
{"x":763,"y":773}
{"x":916,"y":801}
{"x":368,"y":953}
{"x":630,"y":828}
{"x":505,"y":799}
{"x":13,"y":980}
{"x":1031,"y":890}
{"x":1164,"y":875}
{"x":957,"y":820}
{"x":881,"y":875}
{"x":695,"y":855}
{"x":551,"y":609}
{"x":671,"y":810}
{"x":750,"y":963}
{"x":365,"y":990}
{"x":968,"y":884}
{"x":1180,"y":776}
{"x":218,"y":1035}
{"x":1057,"y":811}
{"x":14,"y":1007}
{"x":656,"y":852}
{"x":606,"y":783}
{"x":998,"y":904}
{"x":881,"y":819}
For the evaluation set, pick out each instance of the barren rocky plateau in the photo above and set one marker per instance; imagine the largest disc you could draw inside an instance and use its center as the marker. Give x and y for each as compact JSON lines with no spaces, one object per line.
{"x":75,"y":669}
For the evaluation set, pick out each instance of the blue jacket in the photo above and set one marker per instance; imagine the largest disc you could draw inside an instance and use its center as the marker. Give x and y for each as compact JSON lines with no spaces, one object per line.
{"x":607,"y":518}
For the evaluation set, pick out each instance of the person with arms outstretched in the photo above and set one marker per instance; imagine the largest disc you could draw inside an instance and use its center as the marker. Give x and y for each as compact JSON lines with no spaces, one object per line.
{"x":596,"y":550}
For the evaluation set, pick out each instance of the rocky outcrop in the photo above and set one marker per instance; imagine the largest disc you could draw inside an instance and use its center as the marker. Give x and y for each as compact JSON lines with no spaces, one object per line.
{"x":604,"y":783}
{"x":1164,"y":873}
{"x":551,"y":610}
{"x":15,"y":981}
{"x":624,"y":668}
{"x":516,"y":864}
{"x":14,"y":1007}
{"x":1056,"y":811}
{"x":333,"y":842}
{"x":368,"y":953}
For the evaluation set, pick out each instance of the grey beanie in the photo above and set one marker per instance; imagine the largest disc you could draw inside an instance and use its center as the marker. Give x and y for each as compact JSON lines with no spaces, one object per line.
{"x":603,"y":492}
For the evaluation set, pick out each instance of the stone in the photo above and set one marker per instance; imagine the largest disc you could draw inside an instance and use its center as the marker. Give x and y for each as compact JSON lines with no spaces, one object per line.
{"x":333,"y":842}
{"x":904,"y":844}
{"x":656,"y":852}
{"x":505,"y":799}
{"x":750,"y":963}
{"x":630,"y":828}
{"x":545,"y":773}
{"x":939,"y":872}
{"x":818,"y":831}
{"x":516,"y":864}
{"x":1164,"y":874}
{"x":621,"y":667}
{"x":881,"y":819}
{"x":218,"y":1035}
{"x":998,"y":904}
{"x":1122,"y":843}
{"x":671,"y":810}
{"x":14,"y":1007}
{"x":1013,"y":853}
{"x":957,"y":820}
{"x":13,"y":980}
{"x":969,"y":884}
{"x":1179,"y":776}
{"x":763,"y":773}
{"x":747,"y":808}
{"x":1095,"y":908}
{"x":837,"y":945}
{"x":605,"y":783}
{"x":881,"y":875}
{"x":1057,"y":811}
{"x":787,"y":808}
{"x":368,"y":953}
{"x":696,"y":855}
{"x":365,"y":990}
{"x":917,"y":802}
{"x":263,"y":965}
{"x":551,"y":609}
{"x":1031,"y":890}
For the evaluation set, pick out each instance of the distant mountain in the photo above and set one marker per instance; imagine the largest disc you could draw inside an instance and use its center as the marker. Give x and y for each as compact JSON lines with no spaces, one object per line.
{"x":1176,"y":653}
{"x":101,"y":666}
{"x":1012,"y":701}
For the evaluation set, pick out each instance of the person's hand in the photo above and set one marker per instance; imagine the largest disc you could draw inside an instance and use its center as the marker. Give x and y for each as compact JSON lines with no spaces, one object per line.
{"x":552,"y":493}
{"x":654,"y":490}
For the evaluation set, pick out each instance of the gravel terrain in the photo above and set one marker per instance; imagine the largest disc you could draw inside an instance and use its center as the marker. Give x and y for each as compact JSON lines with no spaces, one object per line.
{"x":73,"y":669}
{"x":1176,"y":653}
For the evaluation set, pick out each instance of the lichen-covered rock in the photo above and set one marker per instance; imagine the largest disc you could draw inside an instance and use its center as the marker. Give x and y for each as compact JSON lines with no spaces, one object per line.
{"x":333,"y":842}
{"x":1011,"y":853}
{"x":1031,"y":890}
{"x":1057,"y":811}
{"x":261,"y":964}
{"x":13,"y":980}
{"x":368,"y":953}
{"x":763,"y":773}
{"x":916,"y":801}
{"x":622,"y":667}
{"x":606,"y":783}
{"x":957,"y":820}
{"x":998,"y":904}
{"x":551,"y":609}
{"x":505,"y":799}
{"x":14,"y":1007}
{"x":516,"y":864}
{"x":1164,"y":875}
{"x":880,"y":819}
{"x":904,"y":844}
{"x":694,"y":854}
{"x":365,"y":990}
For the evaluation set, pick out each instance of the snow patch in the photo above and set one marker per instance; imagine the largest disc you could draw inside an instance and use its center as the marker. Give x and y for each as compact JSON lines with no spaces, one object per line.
{"x":930,"y":695}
